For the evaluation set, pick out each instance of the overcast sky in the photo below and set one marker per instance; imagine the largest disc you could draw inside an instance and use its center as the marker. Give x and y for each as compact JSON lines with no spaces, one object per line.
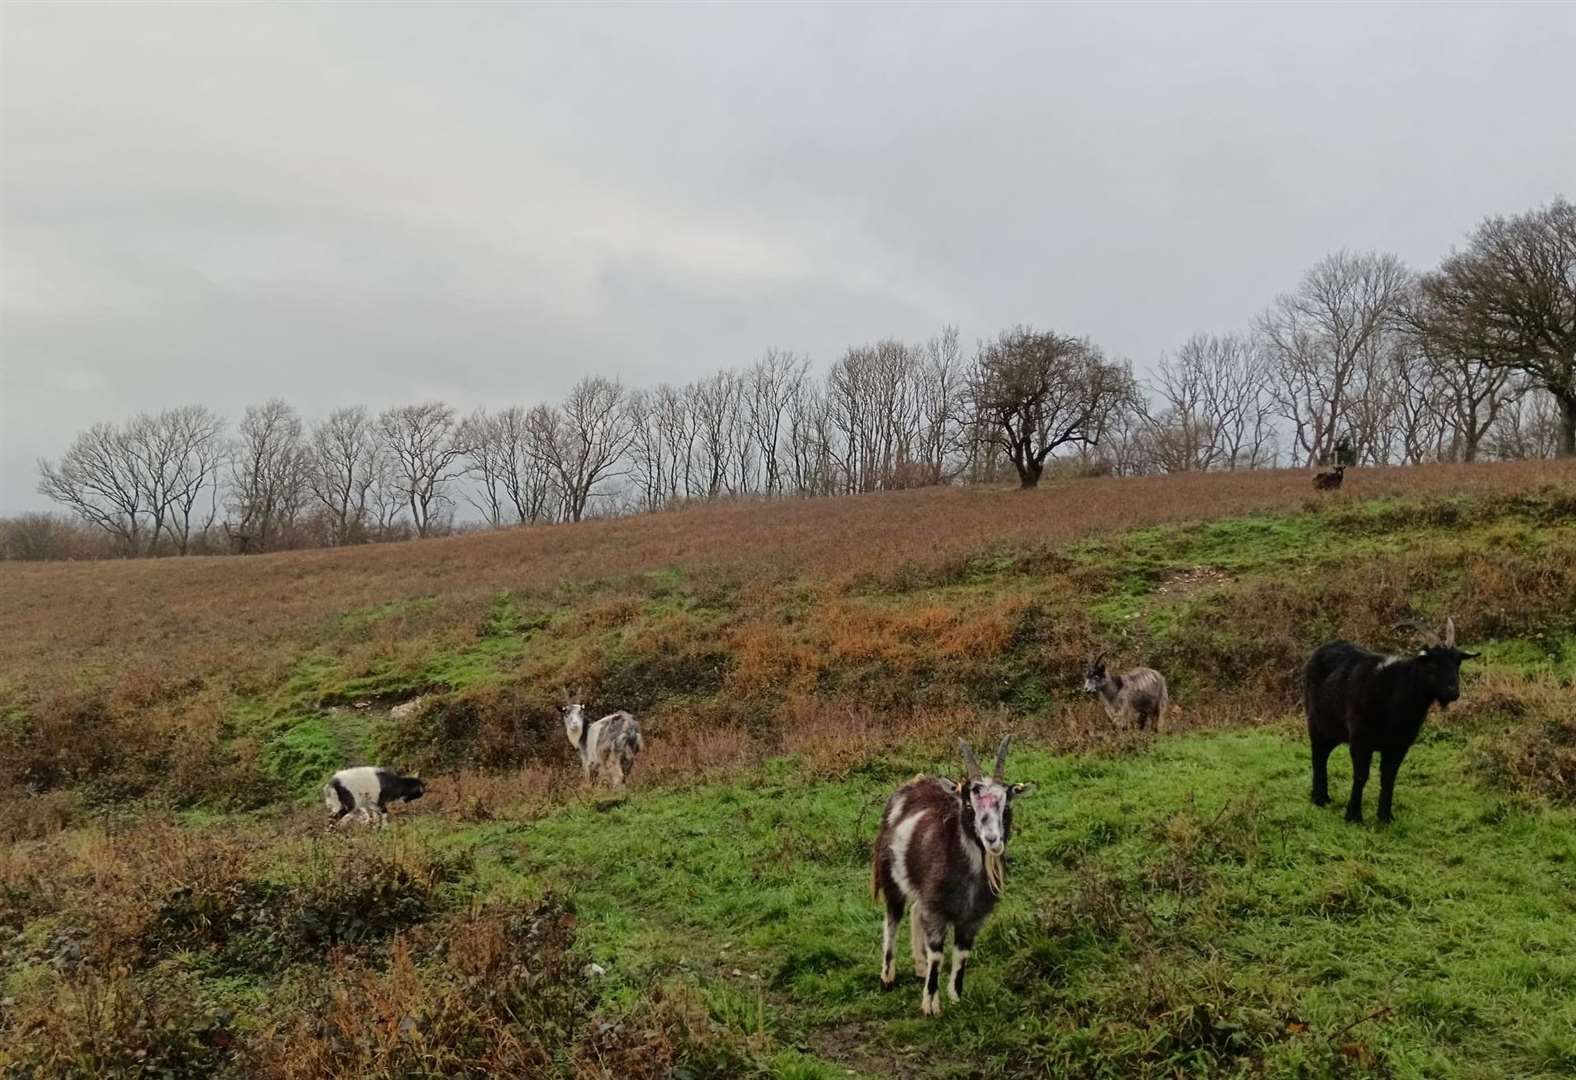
{"x":382,"y":203}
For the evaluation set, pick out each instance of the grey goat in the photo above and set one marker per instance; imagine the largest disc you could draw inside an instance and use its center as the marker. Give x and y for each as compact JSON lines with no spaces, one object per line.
{"x":1138,"y":696}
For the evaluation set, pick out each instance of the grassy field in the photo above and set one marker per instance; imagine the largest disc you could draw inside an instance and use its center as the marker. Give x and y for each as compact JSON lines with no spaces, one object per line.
{"x":170,"y":904}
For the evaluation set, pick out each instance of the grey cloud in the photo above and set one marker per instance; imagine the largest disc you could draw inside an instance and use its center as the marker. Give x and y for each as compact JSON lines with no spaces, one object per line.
{"x":345,"y":203}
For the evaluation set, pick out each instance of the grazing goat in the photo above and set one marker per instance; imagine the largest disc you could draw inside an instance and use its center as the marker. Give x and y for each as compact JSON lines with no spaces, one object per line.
{"x":1374,"y":703}
{"x":367,"y":792}
{"x":1329,"y":481}
{"x":941,"y":848}
{"x":1140,"y":695}
{"x":608,"y":746}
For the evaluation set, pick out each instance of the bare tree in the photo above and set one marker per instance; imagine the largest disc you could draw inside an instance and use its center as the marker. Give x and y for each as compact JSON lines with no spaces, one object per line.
{"x":343,"y":470}
{"x":427,"y":452}
{"x":1032,"y":392}
{"x":1509,"y":301}
{"x":268,"y":474}
{"x":769,"y":386}
{"x":99,"y":479}
{"x":583,"y":440}
{"x":1212,"y":407}
{"x":1527,"y":427}
{"x":195,"y":437}
{"x":714,"y":407}
{"x":940,"y":443}
{"x":1326,"y":338}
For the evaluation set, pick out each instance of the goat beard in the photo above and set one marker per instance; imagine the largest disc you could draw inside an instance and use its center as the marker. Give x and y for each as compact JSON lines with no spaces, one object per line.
{"x":995,"y":872}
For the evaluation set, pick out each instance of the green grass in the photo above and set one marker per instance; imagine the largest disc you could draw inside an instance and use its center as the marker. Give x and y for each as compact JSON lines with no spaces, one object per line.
{"x":1231,"y":925}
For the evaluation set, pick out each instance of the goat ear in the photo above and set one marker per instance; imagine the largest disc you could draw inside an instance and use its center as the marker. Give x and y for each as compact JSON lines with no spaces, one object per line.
{"x":1016,"y":790}
{"x":1450,"y":632}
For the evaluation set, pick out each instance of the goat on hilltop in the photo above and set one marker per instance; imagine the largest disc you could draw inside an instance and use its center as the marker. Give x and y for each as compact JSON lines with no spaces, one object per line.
{"x":941,"y":848}
{"x":1374,"y":703}
{"x":1329,"y":481}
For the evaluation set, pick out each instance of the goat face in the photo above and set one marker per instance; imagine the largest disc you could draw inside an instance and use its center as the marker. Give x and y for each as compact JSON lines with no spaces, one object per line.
{"x":574,"y":724}
{"x":1440,"y":669}
{"x":987,"y":811}
{"x":1095,"y":677}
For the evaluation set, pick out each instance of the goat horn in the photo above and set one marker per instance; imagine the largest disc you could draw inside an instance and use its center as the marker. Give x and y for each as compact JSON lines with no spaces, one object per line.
{"x":1001,"y":756}
{"x":970,"y":762}
{"x":1450,"y":632}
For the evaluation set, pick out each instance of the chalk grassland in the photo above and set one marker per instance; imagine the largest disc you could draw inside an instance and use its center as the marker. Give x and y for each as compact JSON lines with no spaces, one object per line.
{"x":169,"y":904}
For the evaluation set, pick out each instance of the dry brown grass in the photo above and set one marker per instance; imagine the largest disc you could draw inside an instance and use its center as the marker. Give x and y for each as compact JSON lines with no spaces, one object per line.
{"x":160,"y":621}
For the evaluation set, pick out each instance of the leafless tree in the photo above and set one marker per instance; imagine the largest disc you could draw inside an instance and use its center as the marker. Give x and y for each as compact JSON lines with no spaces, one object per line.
{"x":515,"y":483}
{"x":809,"y":434}
{"x":1327,"y":338}
{"x":268,"y":474}
{"x":1032,"y":392}
{"x":344,"y":470}
{"x":940,"y":443}
{"x":426,"y":449}
{"x":715,"y":413}
{"x":143,"y":482}
{"x":1212,"y":407}
{"x":769,"y":386}
{"x":1527,"y":426}
{"x":194,"y":436}
{"x":650,"y":460}
{"x":582,"y":440}
{"x":1509,"y":301}
{"x":99,"y":479}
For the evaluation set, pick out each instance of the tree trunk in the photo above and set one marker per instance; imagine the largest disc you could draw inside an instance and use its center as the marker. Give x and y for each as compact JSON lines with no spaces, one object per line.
{"x":1567,"y":425}
{"x":1029,"y":475}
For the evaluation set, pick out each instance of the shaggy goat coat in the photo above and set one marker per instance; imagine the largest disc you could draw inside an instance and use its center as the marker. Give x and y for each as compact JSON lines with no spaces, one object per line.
{"x":1139,"y":696}
{"x":608,"y":746}
{"x":1376,"y":704}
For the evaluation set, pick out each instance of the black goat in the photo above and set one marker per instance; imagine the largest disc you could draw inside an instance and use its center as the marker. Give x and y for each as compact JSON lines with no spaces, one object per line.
{"x":1329,"y":481}
{"x":1374,"y":703}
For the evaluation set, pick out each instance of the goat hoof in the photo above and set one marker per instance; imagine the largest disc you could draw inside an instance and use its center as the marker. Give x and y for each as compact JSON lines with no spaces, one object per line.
{"x":1354,"y":819}
{"x":1321,"y":800}
{"x":888,"y":984}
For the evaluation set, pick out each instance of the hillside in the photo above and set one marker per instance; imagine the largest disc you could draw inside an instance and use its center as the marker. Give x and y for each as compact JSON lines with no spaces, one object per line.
{"x":169,"y":900}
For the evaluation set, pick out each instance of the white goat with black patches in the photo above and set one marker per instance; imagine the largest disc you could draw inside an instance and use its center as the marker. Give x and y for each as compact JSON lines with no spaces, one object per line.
{"x":1139,"y":696}
{"x":367,"y":791}
{"x":607,"y":746}
{"x":941,"y":849}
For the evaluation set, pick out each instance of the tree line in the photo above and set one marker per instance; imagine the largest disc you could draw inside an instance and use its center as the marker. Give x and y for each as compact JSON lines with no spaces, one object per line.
{"x":1472,"y":359}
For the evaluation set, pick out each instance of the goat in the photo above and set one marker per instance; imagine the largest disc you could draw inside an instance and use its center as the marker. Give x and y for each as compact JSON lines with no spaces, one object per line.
{"x":941,"y":848}
{"x":367,"y":792}
{"x":607,"y":746}
{"x":1374,"y":703}
{"x":1329,"y":481}
{"x":1139,"y":695}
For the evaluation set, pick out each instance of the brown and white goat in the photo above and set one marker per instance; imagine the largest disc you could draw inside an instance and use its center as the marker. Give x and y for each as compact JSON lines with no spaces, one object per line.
{"x":941,"y":849}
{"x":1139,"y":696}
{"x":607,"y":746}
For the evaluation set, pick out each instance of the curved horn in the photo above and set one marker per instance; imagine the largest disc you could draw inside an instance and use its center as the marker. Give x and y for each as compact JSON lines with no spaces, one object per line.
{"x":1450,"y":632}
{"x":1001,"y":756}
{"x":970,"y":762}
